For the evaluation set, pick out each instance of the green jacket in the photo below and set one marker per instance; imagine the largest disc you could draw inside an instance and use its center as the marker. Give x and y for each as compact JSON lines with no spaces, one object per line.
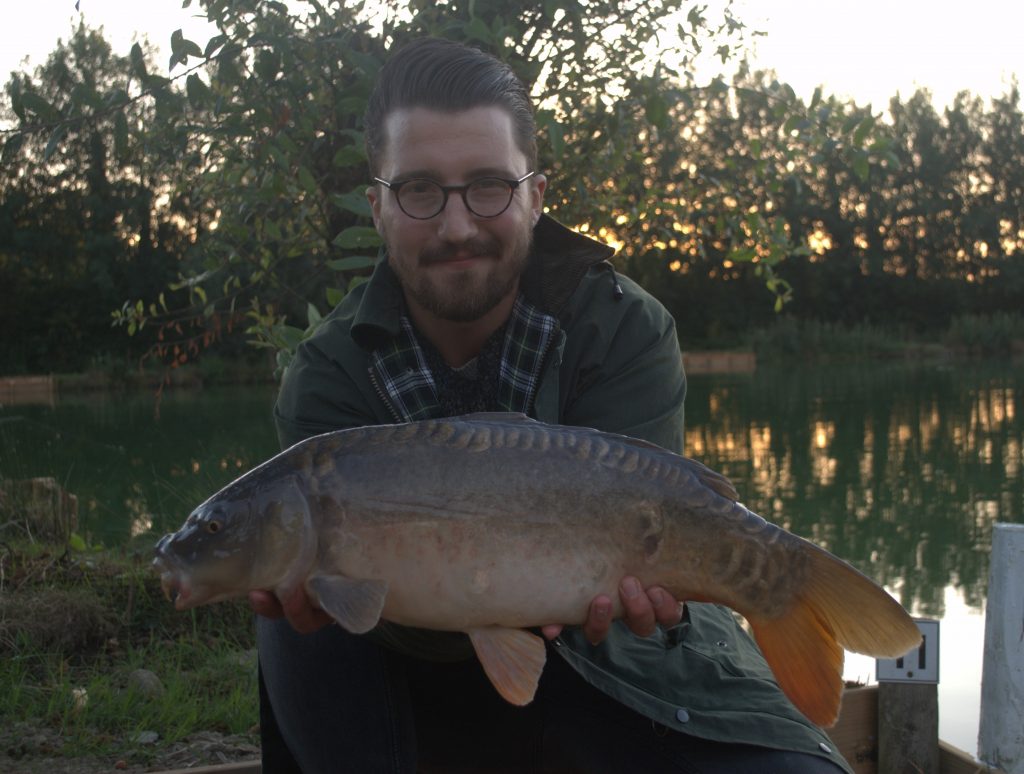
{"x":613,"y":363}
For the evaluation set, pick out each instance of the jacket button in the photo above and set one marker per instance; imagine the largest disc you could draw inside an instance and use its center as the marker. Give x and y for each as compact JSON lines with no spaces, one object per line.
{"x":682,"y":716}
{"x":824,"y":747}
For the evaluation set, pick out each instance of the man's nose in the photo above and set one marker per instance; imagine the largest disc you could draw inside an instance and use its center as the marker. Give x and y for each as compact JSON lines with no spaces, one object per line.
{"x":455,"y":222}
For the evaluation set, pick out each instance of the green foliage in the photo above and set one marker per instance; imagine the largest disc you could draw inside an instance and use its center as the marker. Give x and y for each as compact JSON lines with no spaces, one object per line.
{"x":227,"y":197}
{"x":996,"y":334}
{"x":789,"y":339}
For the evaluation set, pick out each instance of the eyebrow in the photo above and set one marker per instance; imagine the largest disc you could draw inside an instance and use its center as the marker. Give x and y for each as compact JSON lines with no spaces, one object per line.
{"x":473,"y":174}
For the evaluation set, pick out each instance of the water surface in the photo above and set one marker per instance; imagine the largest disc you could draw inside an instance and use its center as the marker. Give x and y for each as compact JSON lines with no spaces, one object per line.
{"x":901,"y":469}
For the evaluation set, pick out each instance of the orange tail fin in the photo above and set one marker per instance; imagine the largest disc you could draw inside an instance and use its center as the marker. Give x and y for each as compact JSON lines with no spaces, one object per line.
{"x":838,"y":608}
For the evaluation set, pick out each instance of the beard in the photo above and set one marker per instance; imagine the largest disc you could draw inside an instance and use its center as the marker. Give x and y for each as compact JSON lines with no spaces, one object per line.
{"x":463,"y":296}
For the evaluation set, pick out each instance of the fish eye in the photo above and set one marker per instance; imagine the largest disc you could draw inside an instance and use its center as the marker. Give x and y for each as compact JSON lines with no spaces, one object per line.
{"x":213,"y":526}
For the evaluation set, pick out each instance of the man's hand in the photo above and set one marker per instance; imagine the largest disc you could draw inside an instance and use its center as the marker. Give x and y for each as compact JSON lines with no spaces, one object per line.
{"x":297,"y":608}
{"x":643,"y":611}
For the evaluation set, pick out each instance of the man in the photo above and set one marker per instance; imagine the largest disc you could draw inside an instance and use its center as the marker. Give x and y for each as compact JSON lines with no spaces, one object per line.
{"x":483,"y":303}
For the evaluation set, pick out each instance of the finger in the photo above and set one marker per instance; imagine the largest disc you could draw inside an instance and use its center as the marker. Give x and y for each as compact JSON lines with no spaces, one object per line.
{"x":639,"y":612}
{"x":551,"y":631}
{"x":301,"y":614}
{"x":265,"y":604}
{"x":667,"y":610}
{"x":599,"y":620}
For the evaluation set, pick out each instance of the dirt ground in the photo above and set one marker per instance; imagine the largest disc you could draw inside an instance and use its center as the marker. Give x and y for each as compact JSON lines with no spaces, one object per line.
{"x":25,"y":749}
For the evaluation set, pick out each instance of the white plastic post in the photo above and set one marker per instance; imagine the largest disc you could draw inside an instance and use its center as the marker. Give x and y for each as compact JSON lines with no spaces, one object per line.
{"x":1001,"y":734}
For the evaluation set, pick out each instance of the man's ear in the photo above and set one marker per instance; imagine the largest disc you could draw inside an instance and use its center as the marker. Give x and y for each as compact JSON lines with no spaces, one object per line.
{"x":538,"y":185}
{"x":373,"y":196}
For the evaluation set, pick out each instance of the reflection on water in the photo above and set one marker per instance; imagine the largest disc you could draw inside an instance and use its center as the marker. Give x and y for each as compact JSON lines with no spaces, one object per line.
{"x":137,"y":474}
{"x":900,"y":469}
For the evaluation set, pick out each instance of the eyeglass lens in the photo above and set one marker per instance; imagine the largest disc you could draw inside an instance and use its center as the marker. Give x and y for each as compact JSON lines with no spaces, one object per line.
{"x":486,"y":197}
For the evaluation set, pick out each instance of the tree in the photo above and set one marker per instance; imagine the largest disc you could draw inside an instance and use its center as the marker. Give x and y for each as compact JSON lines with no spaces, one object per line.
{"x":257,"y":139}
{"x":78,"y":220}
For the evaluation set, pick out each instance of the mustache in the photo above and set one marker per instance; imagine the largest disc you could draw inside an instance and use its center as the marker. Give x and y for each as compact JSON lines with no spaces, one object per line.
{"x":477,"y":246}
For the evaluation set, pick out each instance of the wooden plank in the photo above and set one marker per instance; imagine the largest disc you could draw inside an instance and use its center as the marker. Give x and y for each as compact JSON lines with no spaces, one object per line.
{"x":908,"y":727}
{"x":953,"y":760}
{"x":855,"y":733}
{"x":28,"y":390}
{"x":239,"y":767}
{"x":719,"y":362}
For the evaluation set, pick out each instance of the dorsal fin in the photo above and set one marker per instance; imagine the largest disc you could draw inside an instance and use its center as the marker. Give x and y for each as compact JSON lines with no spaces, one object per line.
{"x":712,"y":479}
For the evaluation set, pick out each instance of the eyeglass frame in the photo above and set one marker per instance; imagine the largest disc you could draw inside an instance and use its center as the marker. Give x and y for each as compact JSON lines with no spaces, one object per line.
{"x":446,"y":190}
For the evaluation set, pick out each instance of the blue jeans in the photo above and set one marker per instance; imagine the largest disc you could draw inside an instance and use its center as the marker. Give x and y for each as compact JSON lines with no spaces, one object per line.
{"x":333,"y":702}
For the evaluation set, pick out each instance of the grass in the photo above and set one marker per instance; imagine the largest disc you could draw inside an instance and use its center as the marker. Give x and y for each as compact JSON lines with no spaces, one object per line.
{"x":789,"y":339}
{"x":995,"y":334}
{"x":75,"y":626}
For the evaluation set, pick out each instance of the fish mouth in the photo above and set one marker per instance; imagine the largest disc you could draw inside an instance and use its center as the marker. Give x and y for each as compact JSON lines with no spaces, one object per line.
{"x":173,"y":581}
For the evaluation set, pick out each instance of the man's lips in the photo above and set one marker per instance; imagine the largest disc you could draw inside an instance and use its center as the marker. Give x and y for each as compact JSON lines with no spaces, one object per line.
{"x":456,"y":261}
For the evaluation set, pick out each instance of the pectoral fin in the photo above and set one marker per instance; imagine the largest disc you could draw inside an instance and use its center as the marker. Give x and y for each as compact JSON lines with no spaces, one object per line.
{"x":513,"y":660}
{"x":355,"y":604}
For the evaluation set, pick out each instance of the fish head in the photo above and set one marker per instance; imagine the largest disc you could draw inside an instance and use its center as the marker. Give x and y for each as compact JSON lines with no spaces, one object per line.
{"x":243,"y":538}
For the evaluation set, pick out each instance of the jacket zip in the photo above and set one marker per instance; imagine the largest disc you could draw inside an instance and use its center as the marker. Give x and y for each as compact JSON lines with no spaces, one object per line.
{"x":382,"y":394}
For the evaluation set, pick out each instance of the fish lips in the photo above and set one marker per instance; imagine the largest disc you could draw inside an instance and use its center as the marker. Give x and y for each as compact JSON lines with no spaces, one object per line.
{"x":173,"y":578}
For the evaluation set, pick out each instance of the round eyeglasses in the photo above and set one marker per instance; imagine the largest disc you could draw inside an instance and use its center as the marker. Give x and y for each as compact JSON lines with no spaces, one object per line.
{"x":485,"y":197}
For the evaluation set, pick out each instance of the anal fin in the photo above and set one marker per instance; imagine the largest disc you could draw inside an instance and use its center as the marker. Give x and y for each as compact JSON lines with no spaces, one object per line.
{"x":355,"y":604}
{"x":513,"y":660}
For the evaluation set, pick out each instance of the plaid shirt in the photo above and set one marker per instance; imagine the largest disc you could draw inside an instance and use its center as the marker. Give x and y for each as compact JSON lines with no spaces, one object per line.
{"x":402,"y":376}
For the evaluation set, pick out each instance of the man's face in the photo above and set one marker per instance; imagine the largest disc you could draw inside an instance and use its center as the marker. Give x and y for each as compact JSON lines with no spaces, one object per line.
{"x":455,"y":266}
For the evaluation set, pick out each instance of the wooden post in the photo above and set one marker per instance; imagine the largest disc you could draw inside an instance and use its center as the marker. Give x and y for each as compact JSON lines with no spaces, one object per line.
{"x":1001,"y":733}
{"x":908,"y":728}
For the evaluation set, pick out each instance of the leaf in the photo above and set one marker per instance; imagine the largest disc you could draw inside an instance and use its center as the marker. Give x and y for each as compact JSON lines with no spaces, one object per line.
{"x":32,"y":101}
{"x":357,"y":236}
{"x":477,"y":29}
{"x":556,"y":133}
{"x":291,"y":336}
{"x":861,"y":166}
{"x":182,"y":48}
{"x":354,"y":201}
{"x":357,"y":281}
{"x":197,"y":90}
{"x":283,"y":358}
{"x":138,"y":62}
{"x":12,"y":146}
{"x":368,"y":63}
{"x":352,"y":263}
{"x":76,"y":542}
{"x":334,"y":296}
{"x":213,"y":44}
{"x":313,"y":316}
{"x":348,"y":156}
{"x":656,"y":110}
{"x":55,"y":140}
{"x":862,"y":130}
{"x":307,"y":181}
{"x":121,"y":135}
{"x":268,"y":64}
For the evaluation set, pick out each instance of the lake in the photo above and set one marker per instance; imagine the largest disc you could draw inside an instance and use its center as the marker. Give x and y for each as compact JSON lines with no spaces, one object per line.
{"x":899,"y":468}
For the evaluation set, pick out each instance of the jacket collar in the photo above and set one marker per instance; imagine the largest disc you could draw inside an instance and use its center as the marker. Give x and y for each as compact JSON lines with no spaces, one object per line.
{"x":558,"y":261}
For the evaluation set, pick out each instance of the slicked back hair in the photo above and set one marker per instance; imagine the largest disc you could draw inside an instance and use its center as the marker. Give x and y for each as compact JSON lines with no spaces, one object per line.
{"x":449,"y":77}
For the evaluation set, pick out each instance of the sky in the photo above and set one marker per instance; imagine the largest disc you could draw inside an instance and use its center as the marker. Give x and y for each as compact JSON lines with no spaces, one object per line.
{"x":866,"y":51}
